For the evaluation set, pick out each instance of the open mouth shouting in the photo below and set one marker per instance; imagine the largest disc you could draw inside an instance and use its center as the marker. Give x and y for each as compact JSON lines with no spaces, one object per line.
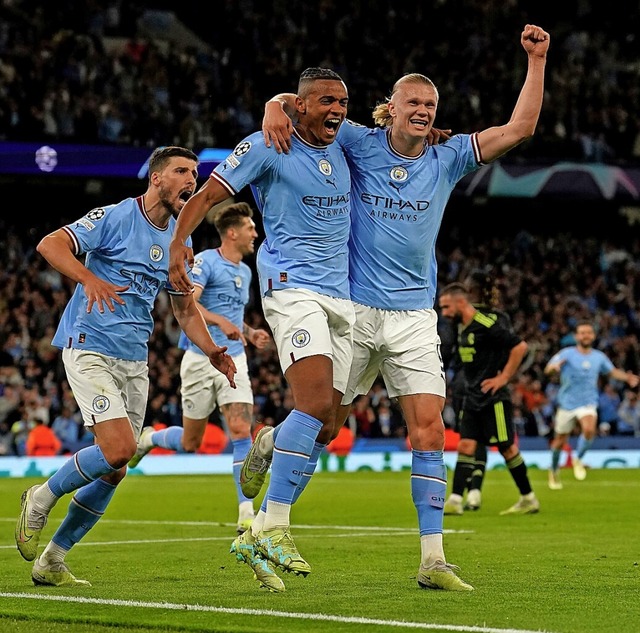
{"x":331,"y":125}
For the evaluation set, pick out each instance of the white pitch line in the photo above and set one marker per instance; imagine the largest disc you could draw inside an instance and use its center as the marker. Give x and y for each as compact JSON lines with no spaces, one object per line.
{"x":266,"y":612}
{"x":347,"y":528}
{"x":218,"y":538}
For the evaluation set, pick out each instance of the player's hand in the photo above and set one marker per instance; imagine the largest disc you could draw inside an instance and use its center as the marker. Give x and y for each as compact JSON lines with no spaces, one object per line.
{"x":101,"y":293}
{"x":260,"y":338}
{"x":492,"y":385}
{"x":179,"y":254}
{"x":224,"y":364}
{"x":277,"y":127}
{"x":232,"y":332}
{"x":436,"y":136}
{"x":535,"y":40}
{"x":633,"y":380}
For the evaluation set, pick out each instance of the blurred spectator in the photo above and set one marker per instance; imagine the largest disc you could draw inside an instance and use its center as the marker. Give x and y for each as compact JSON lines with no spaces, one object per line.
{"x":341,"y":446}
{"x":9,"y":401}
{"x":6,"y":439}
{"x":364,"y":416}
{"x":608,"y":404}
{"x":20,"y":430}
{"x":42,"y":441}
{"x":214,"y":440}
{"x":69,"y":429}
{"x":629,"y":414}
{"x":383,"y":414}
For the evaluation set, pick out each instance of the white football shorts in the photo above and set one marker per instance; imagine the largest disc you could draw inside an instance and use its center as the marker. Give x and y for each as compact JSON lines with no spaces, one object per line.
{"x":107,"y":388}
{"x":566,"y":419}
{"x":203,"y":386}
{"x":401,"y":345}
{"x":305,"y":323}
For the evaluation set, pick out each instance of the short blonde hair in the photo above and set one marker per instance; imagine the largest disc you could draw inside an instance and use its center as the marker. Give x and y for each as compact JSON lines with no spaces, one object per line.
{"x":381,"y":116}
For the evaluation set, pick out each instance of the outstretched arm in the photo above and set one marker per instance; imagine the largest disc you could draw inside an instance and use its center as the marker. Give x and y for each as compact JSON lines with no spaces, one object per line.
{"x":625,"y":376}
{"x":496,"y":141}
{"x":192,"y":323}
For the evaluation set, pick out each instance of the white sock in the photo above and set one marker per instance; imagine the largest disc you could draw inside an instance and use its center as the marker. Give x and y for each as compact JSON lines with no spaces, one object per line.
{"x":258,"y":523}
{"x":431,"y":549}
{"x":43,"y":499}
{"x":53,"y":554}
{"x":245,"y":510}
{"x":277,"y":515}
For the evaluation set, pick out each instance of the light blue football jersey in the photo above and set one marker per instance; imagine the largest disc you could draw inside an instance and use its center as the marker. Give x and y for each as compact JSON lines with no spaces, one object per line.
{"x":225,"y":291}
{"x":397,"y":208}
{"x":304,"y":197}
{"x":579,"y":376}
{"x":123,"y":247}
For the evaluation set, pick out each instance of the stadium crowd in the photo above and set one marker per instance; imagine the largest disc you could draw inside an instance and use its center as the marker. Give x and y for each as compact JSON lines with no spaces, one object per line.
{"x":83,"y":72}
{"x":88,"y":72}
{"x":547,"y":285}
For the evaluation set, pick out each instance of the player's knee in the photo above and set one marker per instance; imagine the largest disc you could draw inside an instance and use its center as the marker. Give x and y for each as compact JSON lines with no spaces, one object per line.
{"x":508,"y":451}
{"x":116,"y":477}
{"x":119,"y":455}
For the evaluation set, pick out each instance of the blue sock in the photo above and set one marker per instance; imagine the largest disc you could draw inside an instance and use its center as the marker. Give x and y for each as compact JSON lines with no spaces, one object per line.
{"x":428,"y":489}
{"x":291,"y":453}
{"x":170,"y":438}
{"x":86,"y":465}
{"x":555,"y":458}
{"x":240,"y":449}
{"x":583,"y":445}
{"x":85,"y":509}
{"x":309,"y":470}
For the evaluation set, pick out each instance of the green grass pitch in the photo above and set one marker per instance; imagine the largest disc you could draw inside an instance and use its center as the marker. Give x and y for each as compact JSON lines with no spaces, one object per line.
{"x":159,"y":561}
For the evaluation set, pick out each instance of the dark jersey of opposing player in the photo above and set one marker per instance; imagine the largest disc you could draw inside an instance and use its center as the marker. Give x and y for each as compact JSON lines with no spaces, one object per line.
{"x":484,"y":346}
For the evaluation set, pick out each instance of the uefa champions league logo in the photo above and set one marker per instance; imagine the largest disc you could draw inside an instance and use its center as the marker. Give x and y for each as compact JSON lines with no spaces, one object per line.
{"x":46,"y":158}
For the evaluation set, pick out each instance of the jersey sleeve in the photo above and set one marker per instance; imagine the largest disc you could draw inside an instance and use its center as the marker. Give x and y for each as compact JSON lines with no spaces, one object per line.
{"x":248,"y":162}
{"x":465,"y":158}
{"x":94,"y":230}
{"x":606,"y":365}
{"x":351,"y":132}
{"x":201,"y":271}
{"x":503,"y":333}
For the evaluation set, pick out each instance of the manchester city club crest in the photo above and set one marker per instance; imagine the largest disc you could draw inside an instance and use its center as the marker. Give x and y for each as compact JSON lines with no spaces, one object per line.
{"x":100,"y":404}
{"x":238,"y":281}
{"x":301,"y":338}
{"x":325,"y":167}
{"x":156,"y":252}
{"x":399,"y":174}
